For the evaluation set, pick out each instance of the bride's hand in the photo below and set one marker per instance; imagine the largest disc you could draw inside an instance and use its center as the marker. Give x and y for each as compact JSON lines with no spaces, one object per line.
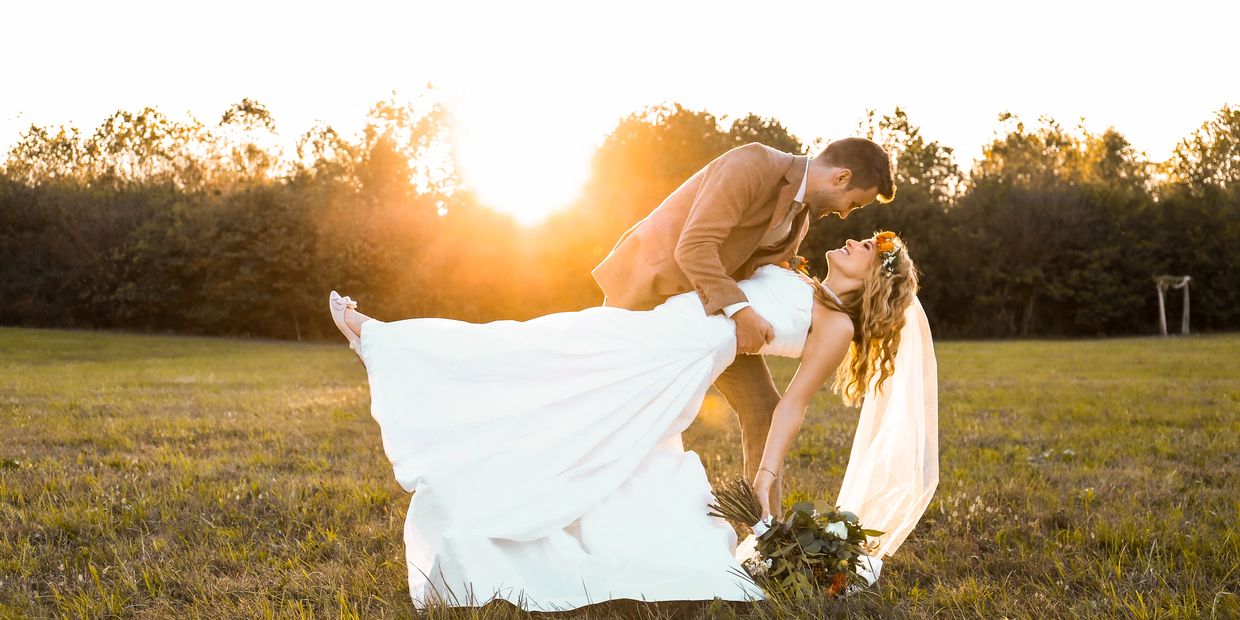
{"x":762,"y":483}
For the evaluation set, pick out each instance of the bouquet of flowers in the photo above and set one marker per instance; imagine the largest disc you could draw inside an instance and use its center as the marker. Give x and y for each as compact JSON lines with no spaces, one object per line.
{"x":815,"y":548}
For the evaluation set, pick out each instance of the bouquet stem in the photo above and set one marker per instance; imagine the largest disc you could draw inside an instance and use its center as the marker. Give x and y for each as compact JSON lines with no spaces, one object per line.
{"x":736,"y":502}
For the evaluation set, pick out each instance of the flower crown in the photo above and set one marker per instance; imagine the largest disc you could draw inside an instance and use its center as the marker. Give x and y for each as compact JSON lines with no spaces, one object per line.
{"x":888,"y":251}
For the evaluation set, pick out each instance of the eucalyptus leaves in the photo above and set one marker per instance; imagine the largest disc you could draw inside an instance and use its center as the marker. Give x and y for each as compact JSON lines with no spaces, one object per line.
{"x":814,"y":549}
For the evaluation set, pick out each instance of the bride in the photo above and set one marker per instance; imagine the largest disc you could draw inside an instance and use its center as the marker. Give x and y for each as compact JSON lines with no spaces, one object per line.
{"x":545,"y":456}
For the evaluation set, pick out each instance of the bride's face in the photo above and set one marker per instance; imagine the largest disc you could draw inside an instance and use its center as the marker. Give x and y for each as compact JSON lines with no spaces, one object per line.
{"x":854,"y":259}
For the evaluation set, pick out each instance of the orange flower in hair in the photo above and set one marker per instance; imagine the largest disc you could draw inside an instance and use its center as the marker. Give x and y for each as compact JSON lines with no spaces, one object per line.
{"x":885,"y":241}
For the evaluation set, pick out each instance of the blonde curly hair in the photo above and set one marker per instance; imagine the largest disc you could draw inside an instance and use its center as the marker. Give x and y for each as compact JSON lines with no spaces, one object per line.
{"x":877,"y":313}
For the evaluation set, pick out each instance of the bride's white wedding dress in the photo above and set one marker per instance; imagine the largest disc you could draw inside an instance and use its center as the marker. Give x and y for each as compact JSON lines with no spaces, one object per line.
{"x":545,"y":456}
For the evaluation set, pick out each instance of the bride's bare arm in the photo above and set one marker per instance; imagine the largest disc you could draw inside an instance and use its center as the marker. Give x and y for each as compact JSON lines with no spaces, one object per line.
{"x":825,"y":348}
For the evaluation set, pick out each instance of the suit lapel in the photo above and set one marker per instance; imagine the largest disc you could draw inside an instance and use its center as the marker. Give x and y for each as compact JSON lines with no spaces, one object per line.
{"x":793,"y":174}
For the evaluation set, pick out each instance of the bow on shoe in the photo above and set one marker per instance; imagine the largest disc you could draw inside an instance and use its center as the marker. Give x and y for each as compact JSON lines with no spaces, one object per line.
{"x":341,"y":303}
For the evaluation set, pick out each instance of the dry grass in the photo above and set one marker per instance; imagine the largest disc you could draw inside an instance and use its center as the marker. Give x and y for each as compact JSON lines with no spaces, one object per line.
{"x":149,"y":476}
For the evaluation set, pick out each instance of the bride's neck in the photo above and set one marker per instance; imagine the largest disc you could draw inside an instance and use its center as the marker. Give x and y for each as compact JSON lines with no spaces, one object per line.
{"x":841,"y":287}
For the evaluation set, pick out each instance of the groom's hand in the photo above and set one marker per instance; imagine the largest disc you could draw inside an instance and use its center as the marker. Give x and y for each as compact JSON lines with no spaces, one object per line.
{"x":752,"y":331}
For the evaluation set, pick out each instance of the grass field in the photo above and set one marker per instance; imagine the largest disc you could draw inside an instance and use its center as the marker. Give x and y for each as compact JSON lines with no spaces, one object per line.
{"x":152,"y":476}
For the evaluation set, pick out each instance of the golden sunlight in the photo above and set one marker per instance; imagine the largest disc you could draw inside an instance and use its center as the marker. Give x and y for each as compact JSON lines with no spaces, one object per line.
{"x":517,"y":161}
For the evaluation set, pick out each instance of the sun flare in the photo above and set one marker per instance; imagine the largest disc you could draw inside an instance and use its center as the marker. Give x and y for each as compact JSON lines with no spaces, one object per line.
{"x":517,"y":165}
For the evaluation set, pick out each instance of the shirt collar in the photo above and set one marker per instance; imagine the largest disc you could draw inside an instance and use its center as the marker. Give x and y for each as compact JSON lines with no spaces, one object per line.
{"x":801,"y":192}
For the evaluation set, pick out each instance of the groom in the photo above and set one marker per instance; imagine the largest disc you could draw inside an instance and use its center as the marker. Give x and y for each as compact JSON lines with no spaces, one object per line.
{"x":749,"y":207}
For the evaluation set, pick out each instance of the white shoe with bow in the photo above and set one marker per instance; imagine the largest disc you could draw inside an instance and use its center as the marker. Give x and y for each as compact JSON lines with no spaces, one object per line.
{"x":338,"y":306}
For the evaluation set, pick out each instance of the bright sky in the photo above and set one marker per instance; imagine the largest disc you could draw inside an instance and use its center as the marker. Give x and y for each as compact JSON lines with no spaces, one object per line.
{"x":534,"y":86}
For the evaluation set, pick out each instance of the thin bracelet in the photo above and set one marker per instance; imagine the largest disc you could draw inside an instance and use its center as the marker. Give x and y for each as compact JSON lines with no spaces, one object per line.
{"x":767,"y":470}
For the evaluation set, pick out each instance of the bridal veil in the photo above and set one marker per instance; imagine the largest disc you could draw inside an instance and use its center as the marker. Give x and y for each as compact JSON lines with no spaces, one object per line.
{"x":894,"y":465}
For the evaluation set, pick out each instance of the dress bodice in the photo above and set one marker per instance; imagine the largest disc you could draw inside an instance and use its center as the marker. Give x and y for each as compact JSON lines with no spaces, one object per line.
{"x":780,"y":296}
{"x":785,"y":300}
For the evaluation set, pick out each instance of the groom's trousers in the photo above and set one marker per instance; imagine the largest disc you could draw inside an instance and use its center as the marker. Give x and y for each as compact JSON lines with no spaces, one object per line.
{"x":749,"y":389}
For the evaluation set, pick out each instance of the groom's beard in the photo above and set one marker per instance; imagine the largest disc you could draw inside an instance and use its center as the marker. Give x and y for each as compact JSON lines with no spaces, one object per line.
{"x":826,"y":199}
{"x":819,"y":206}
{"x":814,"y":213}
{"x":821,"y":213}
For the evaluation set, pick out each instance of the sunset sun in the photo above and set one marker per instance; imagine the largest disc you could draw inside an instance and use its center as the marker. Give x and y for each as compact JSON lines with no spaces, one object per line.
{"x":518,"y":164}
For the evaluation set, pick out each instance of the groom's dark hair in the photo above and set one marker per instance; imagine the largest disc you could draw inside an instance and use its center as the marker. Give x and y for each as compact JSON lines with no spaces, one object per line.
{"x":869,"y":163}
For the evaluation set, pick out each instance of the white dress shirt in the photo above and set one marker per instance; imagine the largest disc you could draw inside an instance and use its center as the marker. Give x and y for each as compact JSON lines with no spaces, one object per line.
{"x":779,"y":233}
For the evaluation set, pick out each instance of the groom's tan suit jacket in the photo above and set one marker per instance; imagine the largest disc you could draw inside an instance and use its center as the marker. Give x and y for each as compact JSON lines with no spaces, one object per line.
{"x":706,"y":235}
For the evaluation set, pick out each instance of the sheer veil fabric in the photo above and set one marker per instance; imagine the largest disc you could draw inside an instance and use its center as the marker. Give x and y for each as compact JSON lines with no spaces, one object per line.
{"x":893,"y":469}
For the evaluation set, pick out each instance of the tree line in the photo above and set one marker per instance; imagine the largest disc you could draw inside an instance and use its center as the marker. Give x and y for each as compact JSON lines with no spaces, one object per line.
{"x":148,"y":223}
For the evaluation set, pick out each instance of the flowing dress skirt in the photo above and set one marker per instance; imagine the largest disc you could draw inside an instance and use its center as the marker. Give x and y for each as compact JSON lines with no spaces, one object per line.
{"x":545,"y":456}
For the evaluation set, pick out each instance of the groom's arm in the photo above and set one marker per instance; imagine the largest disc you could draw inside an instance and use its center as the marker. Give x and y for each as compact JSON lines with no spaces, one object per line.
{"x":729,"y":187}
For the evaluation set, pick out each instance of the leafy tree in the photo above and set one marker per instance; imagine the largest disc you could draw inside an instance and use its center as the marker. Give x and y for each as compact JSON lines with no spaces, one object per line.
{"x":1210,"y":157}
{"x":150,"y":223}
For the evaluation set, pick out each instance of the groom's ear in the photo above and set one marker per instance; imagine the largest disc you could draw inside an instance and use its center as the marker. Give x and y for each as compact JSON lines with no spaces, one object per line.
{"x":842,"y":176}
